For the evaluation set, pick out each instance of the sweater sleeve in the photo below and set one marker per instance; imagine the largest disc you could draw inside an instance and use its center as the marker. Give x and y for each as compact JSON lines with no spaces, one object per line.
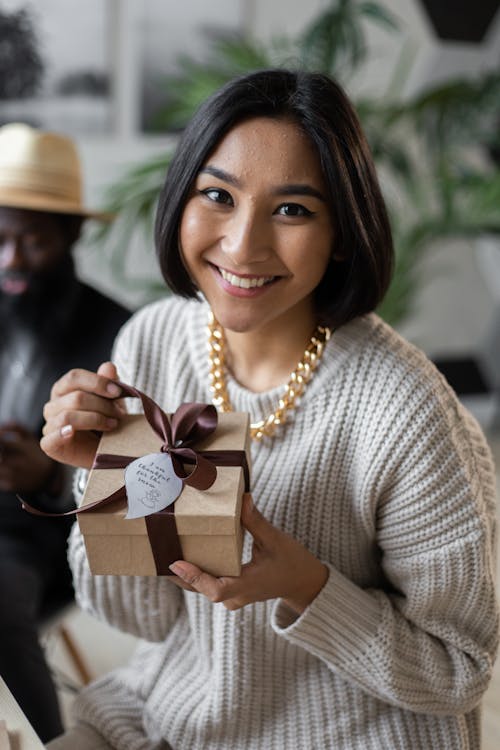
{"x":145,"y":606}
{"x":426,"y":641}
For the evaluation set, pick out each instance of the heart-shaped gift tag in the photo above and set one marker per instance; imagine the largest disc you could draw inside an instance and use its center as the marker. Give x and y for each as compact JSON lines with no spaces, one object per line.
{"x":151,"y":484}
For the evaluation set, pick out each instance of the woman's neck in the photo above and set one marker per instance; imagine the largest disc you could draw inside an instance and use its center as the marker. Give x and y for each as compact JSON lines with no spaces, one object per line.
{"x":263,"y":359}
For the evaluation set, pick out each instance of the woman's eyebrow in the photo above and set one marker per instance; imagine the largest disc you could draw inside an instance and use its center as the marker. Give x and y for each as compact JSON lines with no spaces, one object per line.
{"x":287,"y":189}
{"x":221,"y":175}
{"x":299,"y":189}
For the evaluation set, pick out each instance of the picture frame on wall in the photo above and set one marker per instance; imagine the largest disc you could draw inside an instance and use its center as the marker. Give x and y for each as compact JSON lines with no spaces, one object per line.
{"x":56,"y":64}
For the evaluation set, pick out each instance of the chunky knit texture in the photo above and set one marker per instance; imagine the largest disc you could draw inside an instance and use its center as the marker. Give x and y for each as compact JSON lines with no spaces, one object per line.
{"x":385,"y":477}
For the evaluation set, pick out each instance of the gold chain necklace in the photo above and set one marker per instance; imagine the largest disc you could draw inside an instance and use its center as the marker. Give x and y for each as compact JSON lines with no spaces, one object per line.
{"x":294,"y":389}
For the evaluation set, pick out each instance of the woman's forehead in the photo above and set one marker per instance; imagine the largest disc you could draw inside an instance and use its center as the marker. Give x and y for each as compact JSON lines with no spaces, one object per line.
{"x":268,"y":145}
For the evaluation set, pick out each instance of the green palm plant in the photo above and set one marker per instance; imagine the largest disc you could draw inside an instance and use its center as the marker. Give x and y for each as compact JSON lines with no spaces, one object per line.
{"x":335,"y":42}
{"x":228,"y":56}
{"x":448,"y":184}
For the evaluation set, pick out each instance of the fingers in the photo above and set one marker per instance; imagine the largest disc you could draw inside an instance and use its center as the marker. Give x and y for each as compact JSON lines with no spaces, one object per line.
{"x":108,"y":369}
{"x":60,"y":447}
{"x":84,"y":380}
{"x":233,"y":592}
{"x":197,"y":579}
{"x":215,"y":589}
{"x":83,"y":400}
{"x":93,"y":411}
{"x":80,"y":420}
{"x":180,"y":583}
{"x":280,"y":567}
{"x":83,"y":404}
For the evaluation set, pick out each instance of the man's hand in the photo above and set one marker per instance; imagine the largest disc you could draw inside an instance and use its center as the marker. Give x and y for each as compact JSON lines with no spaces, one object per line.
{"x":280,"y":567}
{"x":24,"y":467}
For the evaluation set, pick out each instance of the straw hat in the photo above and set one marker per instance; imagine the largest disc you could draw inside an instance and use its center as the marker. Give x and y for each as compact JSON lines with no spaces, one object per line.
{"x":41,"y":171}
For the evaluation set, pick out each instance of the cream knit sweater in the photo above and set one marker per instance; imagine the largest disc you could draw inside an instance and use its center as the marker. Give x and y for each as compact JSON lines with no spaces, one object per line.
{"x":385,"y":477}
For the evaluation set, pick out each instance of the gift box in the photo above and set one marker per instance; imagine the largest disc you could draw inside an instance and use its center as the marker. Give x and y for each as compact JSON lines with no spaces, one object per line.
{"x":207,"y":520}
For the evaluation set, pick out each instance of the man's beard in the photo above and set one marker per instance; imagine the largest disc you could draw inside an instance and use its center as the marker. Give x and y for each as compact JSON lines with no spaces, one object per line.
{"x":42,"y":309}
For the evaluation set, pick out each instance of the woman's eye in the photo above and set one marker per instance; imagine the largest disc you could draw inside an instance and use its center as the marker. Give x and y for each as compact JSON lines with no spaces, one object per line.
{"x":293,"y":209}
{"x":218,"y":196}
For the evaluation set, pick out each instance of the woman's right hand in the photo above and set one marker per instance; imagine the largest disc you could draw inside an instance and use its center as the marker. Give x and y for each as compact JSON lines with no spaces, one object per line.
{"x":82,"y":403}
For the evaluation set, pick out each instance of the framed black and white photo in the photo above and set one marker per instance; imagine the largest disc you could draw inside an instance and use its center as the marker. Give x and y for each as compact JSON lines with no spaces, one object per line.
{"x":55,"y":64}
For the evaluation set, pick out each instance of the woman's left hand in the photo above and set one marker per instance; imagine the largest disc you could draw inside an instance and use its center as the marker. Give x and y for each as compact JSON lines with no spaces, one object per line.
{"x":281,"y":567}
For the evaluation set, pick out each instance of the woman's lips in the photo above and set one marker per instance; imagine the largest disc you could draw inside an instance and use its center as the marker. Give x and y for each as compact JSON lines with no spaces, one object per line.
{"x":243,"y":285}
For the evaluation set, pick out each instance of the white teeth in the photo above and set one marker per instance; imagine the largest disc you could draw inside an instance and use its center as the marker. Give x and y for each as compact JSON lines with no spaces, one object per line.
{"x":244,"y":283}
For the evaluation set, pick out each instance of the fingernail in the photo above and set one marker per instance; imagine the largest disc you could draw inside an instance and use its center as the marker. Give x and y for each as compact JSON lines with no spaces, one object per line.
{"x":66,"y":431}
{"x":113,"y":389}
{"x":111,"y":422}
{"x":177,"y":569}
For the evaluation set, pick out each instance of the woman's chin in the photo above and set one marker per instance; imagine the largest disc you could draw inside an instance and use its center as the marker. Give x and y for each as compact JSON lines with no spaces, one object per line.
{"x":236,"y":324}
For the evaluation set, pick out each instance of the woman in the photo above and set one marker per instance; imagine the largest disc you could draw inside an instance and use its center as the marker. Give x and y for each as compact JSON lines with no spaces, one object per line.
{"x":365,"y":615}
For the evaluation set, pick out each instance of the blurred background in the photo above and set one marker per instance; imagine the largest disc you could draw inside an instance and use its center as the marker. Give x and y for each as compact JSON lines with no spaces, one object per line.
{"x":122,"y":77}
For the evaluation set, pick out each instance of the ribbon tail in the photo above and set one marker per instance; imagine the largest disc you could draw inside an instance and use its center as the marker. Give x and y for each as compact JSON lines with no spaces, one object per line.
{"x":36,"y":512}
{"x":119,"y":494}
{"x":164,"y":540}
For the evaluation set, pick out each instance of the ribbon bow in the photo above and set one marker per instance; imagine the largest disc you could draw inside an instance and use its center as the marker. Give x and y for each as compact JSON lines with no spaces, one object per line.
{"x":191,"y":423}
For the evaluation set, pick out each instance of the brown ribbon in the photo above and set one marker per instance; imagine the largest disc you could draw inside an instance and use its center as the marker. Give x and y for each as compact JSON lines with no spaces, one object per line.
{"x":191,"y":423}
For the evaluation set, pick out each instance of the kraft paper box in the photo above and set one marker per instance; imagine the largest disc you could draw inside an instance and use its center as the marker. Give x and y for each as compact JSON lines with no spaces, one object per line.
{"x":208,"y":521}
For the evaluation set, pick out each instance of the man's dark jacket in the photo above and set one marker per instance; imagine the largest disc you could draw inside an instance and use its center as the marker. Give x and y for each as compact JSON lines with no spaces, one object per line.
{"x":82,"y":336}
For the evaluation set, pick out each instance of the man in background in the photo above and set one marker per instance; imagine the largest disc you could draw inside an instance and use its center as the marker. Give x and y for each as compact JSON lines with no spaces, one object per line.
{"x":49,"y":323}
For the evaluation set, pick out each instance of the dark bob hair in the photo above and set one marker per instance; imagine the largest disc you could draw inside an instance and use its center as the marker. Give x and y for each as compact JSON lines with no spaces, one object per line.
{"x":356,"y":283}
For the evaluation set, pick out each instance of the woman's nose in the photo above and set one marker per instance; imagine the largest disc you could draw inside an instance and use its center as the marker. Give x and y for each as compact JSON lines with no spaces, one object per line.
{"x":247,"y":239}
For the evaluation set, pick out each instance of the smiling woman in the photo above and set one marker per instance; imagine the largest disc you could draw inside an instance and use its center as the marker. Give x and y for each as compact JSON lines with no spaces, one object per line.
{"x":365,"y":612}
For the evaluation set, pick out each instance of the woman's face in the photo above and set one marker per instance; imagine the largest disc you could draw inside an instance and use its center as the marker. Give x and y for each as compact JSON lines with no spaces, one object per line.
{"x":256,"y":234}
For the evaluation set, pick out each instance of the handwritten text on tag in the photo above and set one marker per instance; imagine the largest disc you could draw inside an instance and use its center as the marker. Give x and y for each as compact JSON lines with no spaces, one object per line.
{"x":151,"y":484}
